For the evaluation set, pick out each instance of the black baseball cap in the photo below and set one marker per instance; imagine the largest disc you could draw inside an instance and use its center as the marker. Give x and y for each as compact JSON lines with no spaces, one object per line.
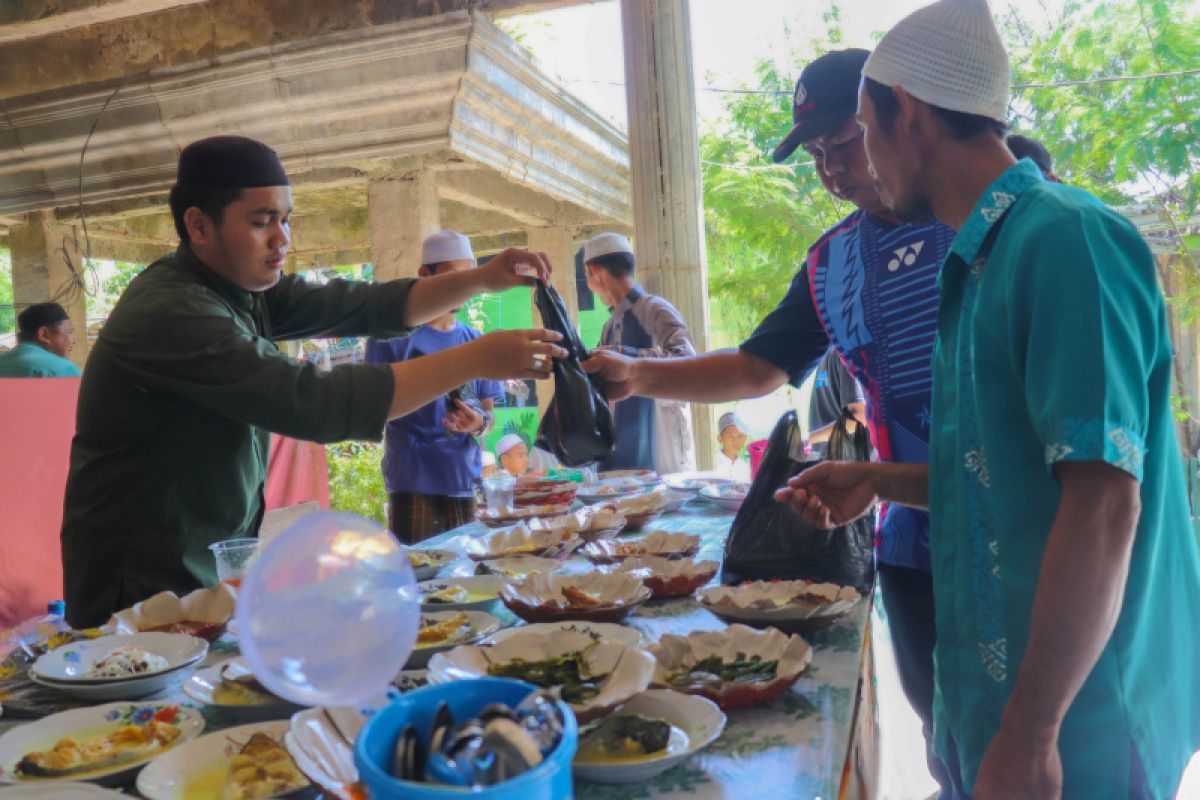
{"x":825,"y":95}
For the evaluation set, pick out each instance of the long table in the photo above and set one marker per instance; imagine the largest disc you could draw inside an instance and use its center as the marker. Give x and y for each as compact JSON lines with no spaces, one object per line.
{"x":815,"y":741}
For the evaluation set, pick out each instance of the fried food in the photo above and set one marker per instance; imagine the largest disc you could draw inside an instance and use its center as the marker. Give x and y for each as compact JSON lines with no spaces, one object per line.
{"x":578,"y":598}
{"x":433,"y":632}
{"x":449,"y":594}
{"x":263,"y":768}
{"x":126,"y":744}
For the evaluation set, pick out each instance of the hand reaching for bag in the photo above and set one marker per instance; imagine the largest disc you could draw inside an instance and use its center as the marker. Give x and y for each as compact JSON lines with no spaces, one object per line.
{"x":501,"y":355}
{"x":615,"y":370}
{"x":831,"y":494}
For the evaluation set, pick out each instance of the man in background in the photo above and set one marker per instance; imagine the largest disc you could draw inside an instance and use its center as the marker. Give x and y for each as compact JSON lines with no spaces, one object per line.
{"x":45,"y":337}
{"x":651,"y":434}
{"x":431,"y":457}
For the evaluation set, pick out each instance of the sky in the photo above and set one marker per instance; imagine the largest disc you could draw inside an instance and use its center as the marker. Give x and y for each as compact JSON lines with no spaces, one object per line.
{"x":581,"y":45}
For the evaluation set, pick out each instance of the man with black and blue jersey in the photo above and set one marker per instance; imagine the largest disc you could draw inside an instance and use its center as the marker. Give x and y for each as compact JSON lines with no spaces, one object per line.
{"x":868,"y":288}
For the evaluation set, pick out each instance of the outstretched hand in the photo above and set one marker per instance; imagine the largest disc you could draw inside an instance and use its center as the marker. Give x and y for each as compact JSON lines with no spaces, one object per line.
{"x":515,"y":267}
{"x":501,"y":355}
{"x":614,"y":370}
{"x":831,"y":494}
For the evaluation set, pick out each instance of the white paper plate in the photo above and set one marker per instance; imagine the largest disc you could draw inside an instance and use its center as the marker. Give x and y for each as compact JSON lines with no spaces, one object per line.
{"x":627,"y":670}
{"x":321,"y":741}
{"x":481,"y":624}
{"x":72,"y":662}
{"x":693,"y":482}
{"x":730,"y":495}
{"x":520,"y":567}
{"x":700,"y":720}
{"x":483,"y":591}
{"x":630,"y":637}
{"x":648,"y":477}
{"x":610,"y":489}
{"x":201,"y":686}
{"x":86,"y":723}
{"x":171,"y":775}
{"x":442,"y":557}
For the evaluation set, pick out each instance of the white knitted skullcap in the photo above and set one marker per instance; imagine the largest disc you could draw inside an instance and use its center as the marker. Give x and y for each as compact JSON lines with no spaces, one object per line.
{"x":603,"y":244}
{"x":508,"y":442}
{"x":948,"y":54}
{"x":446,"y":246}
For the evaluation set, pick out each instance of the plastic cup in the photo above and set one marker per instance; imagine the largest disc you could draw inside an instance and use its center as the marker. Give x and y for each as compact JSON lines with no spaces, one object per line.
{"x":498,"y":491}
{"x":233,"y":558}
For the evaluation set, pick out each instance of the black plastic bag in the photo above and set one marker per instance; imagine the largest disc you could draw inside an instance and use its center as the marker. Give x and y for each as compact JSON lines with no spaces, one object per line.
{"x":578,"y":425}
{"x":768,"y":540}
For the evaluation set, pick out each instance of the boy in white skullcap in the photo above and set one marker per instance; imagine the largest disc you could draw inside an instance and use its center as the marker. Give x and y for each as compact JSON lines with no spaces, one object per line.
{"x":651,"y":434}
{"x":513,"y":454}
{"x":732,"y":441}
{"x":1066,"y":575}
{"x":432,"y":457}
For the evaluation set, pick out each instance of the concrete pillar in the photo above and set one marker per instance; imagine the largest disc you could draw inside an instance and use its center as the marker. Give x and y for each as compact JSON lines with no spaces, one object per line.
{"x":664,"y":158}
{"x":47,"y":265}
{"x":559,"y":246}
{"x":401,"y":212}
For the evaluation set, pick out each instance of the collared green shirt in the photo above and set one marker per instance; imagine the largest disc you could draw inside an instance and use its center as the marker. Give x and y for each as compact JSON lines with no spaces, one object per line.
{"x":181,"y":391}
{"x":28,"y":360}
{"x":1054,"y":346}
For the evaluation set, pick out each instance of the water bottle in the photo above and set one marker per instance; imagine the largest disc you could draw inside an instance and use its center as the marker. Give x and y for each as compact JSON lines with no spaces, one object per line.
{"x":36,"y":636}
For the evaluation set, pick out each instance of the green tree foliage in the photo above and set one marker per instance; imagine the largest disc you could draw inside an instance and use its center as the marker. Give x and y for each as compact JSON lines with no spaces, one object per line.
{"x":760,"y":218}
{"x":356,"y":479}
{"x":1125,"y":139}
{"x":8,"y":317}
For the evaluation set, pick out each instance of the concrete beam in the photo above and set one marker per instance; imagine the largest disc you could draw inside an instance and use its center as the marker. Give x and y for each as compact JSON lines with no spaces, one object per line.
{"x":103,"y":40}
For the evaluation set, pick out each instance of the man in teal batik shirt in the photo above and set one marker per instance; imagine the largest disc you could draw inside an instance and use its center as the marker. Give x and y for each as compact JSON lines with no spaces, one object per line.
{"x":1067,"y":584}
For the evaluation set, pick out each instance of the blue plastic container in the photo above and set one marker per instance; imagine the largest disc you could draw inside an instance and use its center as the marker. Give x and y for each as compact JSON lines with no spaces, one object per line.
{"x":373,"y":752}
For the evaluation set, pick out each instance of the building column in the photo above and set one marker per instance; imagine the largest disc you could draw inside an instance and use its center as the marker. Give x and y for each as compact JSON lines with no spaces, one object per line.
{"x":559,"y":246}
{"x":401,"y":211}
{"x":47,"y":265}
{"x":664,"y":158}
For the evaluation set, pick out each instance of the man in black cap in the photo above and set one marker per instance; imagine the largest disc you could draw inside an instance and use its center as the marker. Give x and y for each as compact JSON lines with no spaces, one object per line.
{"x":184,"y":385}
{"x":868,"y":288}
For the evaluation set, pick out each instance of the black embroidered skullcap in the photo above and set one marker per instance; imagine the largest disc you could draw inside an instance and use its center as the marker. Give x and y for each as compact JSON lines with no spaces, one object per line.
{"x":230,"y":162}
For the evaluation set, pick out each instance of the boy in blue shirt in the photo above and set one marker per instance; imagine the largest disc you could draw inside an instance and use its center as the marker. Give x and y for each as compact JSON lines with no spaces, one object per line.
{"x":431,"y":457}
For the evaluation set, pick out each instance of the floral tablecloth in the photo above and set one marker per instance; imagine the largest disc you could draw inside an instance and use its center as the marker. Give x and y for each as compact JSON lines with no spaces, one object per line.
{"x":815,"y":741}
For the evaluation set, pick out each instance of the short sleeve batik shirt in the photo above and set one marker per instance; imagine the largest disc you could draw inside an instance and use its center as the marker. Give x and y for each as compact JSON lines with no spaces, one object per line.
{"x":1053,"y":345}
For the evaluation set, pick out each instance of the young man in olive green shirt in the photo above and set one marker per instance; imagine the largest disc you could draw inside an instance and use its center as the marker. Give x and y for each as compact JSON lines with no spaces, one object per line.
{"x":184,"y":384}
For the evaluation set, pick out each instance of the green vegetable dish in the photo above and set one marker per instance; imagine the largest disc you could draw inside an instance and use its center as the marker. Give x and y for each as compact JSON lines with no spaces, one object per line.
{"x":714,"y":669}
{"x":568,"y":671}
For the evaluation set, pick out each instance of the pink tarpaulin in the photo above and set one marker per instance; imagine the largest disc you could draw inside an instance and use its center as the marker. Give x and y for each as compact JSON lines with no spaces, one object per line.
{"x":297,"y":472}
{"x":37,"y":421}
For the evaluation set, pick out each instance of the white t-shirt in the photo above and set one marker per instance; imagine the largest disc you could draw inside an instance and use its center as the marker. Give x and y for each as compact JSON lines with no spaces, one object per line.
{"x":736,"y":468}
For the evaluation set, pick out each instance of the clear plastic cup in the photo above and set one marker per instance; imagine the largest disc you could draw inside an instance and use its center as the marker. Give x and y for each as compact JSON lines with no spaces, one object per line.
{"x":233,"y":558}
{"x":498,"y":492}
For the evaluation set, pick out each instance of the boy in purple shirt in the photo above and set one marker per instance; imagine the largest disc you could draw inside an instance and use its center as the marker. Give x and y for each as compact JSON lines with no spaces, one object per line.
{"x":431,"y":456}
